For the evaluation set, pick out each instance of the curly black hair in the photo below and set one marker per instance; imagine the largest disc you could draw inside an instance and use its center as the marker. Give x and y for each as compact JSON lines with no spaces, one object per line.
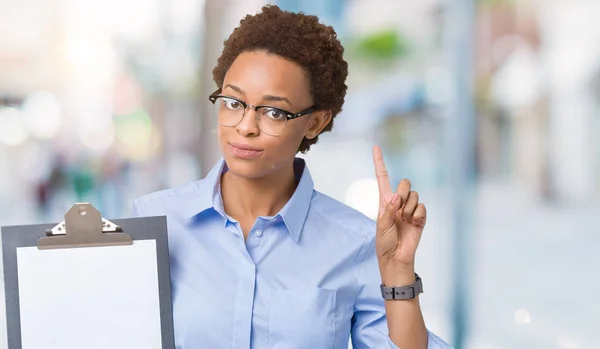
{"x":301,"y":39}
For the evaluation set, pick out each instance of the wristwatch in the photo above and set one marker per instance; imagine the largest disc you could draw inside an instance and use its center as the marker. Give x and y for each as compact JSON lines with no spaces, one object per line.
{"x":402,"y":292}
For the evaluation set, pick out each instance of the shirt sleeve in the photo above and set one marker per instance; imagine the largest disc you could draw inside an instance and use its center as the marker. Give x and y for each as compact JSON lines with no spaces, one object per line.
{"x":433,"y":342}
{"x":135,"y":209}
{"x":369,"y":324}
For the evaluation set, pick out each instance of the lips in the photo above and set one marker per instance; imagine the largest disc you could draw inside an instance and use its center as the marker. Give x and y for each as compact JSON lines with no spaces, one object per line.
{"x":244,"y":150}
{"x":245,"y":147}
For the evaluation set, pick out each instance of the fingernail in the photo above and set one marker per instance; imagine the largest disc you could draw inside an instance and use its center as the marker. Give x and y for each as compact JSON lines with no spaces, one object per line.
{"x":395,"y":198}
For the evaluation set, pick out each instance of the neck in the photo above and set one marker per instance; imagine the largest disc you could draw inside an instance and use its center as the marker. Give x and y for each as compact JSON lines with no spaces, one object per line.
{"x":253,"y":197}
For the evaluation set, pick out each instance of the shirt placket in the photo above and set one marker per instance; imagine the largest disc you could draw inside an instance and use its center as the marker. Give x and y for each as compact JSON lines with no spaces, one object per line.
{"x":245,"y":293}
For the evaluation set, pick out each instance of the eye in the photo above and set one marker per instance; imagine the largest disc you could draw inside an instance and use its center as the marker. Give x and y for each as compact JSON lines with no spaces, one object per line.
{"x":231,"y":104}
{"x":274,"y":114}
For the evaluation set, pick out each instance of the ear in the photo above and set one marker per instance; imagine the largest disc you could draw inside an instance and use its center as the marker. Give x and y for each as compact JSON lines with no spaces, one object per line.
{"x":318,"y":121}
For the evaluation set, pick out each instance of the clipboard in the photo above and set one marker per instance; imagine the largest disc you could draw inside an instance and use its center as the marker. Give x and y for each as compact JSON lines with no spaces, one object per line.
{"x":88,"y":282}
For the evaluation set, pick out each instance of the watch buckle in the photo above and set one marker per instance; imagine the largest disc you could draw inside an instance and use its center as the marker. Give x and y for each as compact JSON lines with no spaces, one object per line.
{"x":397,"y":292}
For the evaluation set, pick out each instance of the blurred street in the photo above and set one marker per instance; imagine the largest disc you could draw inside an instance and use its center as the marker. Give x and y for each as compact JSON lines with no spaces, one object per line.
{"x":536,"y":272}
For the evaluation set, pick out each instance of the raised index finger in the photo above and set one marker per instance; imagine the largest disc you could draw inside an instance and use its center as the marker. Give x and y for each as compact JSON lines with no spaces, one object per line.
{"x":383,"y":180}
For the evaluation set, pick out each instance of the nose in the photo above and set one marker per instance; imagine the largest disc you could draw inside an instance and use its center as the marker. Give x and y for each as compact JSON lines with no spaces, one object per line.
{"x":248,"y":127}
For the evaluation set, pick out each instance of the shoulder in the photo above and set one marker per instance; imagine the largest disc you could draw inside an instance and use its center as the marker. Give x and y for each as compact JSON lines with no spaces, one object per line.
{"x":168,"y":200}
{"x":349,"y":230}
{"x":341,"y":217}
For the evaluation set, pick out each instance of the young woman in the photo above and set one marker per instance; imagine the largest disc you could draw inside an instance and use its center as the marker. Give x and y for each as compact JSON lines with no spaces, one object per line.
{"x":259,"y":259}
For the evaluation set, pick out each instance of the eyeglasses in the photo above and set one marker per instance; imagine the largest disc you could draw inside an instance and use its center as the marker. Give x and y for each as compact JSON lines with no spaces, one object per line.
{"x":270,"y":120}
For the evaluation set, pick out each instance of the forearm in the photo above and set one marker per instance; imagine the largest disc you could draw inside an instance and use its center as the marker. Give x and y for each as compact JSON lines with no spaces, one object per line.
{"x":404,"y":318}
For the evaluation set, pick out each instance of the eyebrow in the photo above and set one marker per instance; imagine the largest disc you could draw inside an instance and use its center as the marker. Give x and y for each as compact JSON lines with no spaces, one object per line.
{"x":265,"y":97}
{"x":235,"y":88}
{"x":277,"y":99}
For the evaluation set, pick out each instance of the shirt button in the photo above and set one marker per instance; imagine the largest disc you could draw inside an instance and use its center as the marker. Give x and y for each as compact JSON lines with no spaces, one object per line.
{"x":258,"y":233}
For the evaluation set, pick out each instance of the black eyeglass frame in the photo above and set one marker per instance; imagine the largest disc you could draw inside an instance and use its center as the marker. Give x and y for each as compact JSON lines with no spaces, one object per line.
{"x":289,"y":115}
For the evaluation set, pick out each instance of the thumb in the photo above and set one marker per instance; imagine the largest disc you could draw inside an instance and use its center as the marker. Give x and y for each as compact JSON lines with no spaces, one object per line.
{"x":386,"y":218}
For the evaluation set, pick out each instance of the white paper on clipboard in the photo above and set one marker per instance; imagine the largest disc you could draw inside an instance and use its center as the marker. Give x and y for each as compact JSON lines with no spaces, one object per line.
{"x":107,"y":297}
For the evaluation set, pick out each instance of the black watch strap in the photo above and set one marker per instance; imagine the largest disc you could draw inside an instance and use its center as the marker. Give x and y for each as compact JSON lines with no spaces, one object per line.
{"x":402,"y":292}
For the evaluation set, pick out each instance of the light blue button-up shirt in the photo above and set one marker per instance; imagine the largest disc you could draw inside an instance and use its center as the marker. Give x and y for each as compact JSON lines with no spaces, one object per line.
{"x":304,"y":278}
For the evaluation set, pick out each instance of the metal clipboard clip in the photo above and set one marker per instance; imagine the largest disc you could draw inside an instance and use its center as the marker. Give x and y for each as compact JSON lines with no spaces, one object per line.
{"x":84,"y":227}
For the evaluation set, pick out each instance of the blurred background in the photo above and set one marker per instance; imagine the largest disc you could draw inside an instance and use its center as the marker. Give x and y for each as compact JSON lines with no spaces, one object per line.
{"x":490,"y":107}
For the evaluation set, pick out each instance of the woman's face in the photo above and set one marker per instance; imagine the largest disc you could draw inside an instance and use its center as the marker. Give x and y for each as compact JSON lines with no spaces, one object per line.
{"x":259,"y":78}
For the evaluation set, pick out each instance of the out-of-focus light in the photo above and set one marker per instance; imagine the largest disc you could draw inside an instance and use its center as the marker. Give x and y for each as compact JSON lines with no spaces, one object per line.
{"x":93,"y":119}
{"x":12,"y":128}
{"x":522,"y":317}
{"x":136,"y":138}
{"x":363,"y":195}
{"x":143,"y":151}
{"x":185,"y":15}
{"x":504,"y":46}
{"x":136,"y":20}
{"x":565,"y":342}
{"x":43,"y":115}
{"x":99,"y":140}
{"x":91,"y":57}
{"x":519,"y":82}
{"x":181,"y":168}
{"x":134,"y":130}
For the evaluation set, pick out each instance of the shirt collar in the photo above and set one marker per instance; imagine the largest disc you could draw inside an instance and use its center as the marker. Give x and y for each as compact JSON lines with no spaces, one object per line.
{"x":296,"y":209}
{"x":209,"y":191}
{"x":293,"y":213}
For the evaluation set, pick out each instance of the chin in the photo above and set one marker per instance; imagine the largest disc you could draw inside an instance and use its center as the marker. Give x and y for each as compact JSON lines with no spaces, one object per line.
{"x":249,"y":168}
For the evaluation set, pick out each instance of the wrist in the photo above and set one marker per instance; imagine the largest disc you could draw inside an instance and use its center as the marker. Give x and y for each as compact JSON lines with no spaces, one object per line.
{"x":393,"y":274}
